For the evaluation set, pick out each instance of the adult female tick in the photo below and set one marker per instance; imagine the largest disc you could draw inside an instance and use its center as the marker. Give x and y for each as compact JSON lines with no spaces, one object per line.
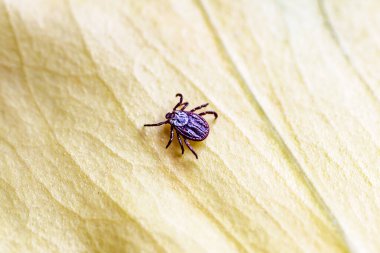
{"x":188,"y":124}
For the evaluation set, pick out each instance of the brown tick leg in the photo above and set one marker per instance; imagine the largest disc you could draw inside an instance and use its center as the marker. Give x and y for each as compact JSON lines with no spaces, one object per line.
{"x":191,"y":148}
{"x":180,"y":142}
{"x":157,"y":124}
{"x":209,"y":112}
{"x":199,"y":107}
{"x":180,"y":100}
{"x":171,"y":136}
{"x":185,"y":104}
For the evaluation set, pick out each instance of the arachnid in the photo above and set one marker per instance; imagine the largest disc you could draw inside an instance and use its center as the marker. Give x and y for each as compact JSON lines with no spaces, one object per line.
{"x":188,"y":124}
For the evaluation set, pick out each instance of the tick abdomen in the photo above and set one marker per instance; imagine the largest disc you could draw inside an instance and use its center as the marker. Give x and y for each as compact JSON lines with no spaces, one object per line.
{"x":196,"y":129}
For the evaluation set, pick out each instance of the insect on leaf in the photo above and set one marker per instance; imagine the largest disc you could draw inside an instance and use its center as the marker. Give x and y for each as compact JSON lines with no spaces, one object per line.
{"x":290,"y":165}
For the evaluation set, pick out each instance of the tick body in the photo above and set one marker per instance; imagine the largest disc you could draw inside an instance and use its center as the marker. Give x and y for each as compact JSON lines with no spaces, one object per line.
{"x":188,"y":124}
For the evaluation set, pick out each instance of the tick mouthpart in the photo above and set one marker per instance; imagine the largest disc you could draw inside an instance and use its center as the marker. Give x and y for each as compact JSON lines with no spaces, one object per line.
{"x":169,"y":115}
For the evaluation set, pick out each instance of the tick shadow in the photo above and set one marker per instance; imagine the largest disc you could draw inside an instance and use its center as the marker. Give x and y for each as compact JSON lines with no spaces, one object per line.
{"x":159,"y":137}
{"x":187,"y":160}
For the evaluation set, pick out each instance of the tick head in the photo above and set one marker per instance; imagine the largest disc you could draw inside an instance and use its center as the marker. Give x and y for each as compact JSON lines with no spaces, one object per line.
{"x":178,"y":118}
{"x":169,"y":115}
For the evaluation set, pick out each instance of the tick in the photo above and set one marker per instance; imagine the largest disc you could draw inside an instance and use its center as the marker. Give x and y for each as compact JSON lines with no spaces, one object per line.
{"x":188,"y":124}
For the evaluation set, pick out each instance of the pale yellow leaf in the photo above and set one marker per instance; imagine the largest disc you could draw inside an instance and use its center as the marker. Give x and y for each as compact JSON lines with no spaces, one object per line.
{"x":291,"y":165}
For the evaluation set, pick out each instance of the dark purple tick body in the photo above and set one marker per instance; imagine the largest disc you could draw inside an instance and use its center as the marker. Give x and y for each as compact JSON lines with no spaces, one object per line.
{"x":188,"y":124}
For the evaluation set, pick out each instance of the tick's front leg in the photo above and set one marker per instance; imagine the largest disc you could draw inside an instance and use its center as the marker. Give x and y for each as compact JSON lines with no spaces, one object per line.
{"x":209,"y":112}
{"x":191,"y":148}
{"x":199,"y":107}
{"x":180,"y":101}
{"x":157,"y":124}
{"x":185,"y":104}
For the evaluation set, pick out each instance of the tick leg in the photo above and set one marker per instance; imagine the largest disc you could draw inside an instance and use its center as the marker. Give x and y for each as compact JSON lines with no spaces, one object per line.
{"x":199,"y":107}
{"x":180,"y":100}
{"x":191,"y":148}
{"x":171,"y":136}
{"x":185,"y":104}
{"x":180,"y":142}
{"x":157,"y":124}
{"x":209,"y":112}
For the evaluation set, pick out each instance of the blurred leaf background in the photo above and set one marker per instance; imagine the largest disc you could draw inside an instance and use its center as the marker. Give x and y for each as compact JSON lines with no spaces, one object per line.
{"x":291,"y":165}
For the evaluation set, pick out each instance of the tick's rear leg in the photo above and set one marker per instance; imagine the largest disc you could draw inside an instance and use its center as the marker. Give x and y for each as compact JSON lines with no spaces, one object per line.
{"x":191,"y":148}
{"x":171,"y":136}
{"x":157,"y":124}
{"x":209,"y":112}
{"x":180,"y":142}
{"x":199,"y":107}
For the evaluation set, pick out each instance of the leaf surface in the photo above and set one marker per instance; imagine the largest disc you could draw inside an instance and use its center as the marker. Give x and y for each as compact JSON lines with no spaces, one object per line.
{"x":291,"y":164}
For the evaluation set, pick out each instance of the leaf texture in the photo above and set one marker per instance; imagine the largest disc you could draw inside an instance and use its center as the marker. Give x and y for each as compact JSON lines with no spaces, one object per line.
{"x":291,"y":165}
